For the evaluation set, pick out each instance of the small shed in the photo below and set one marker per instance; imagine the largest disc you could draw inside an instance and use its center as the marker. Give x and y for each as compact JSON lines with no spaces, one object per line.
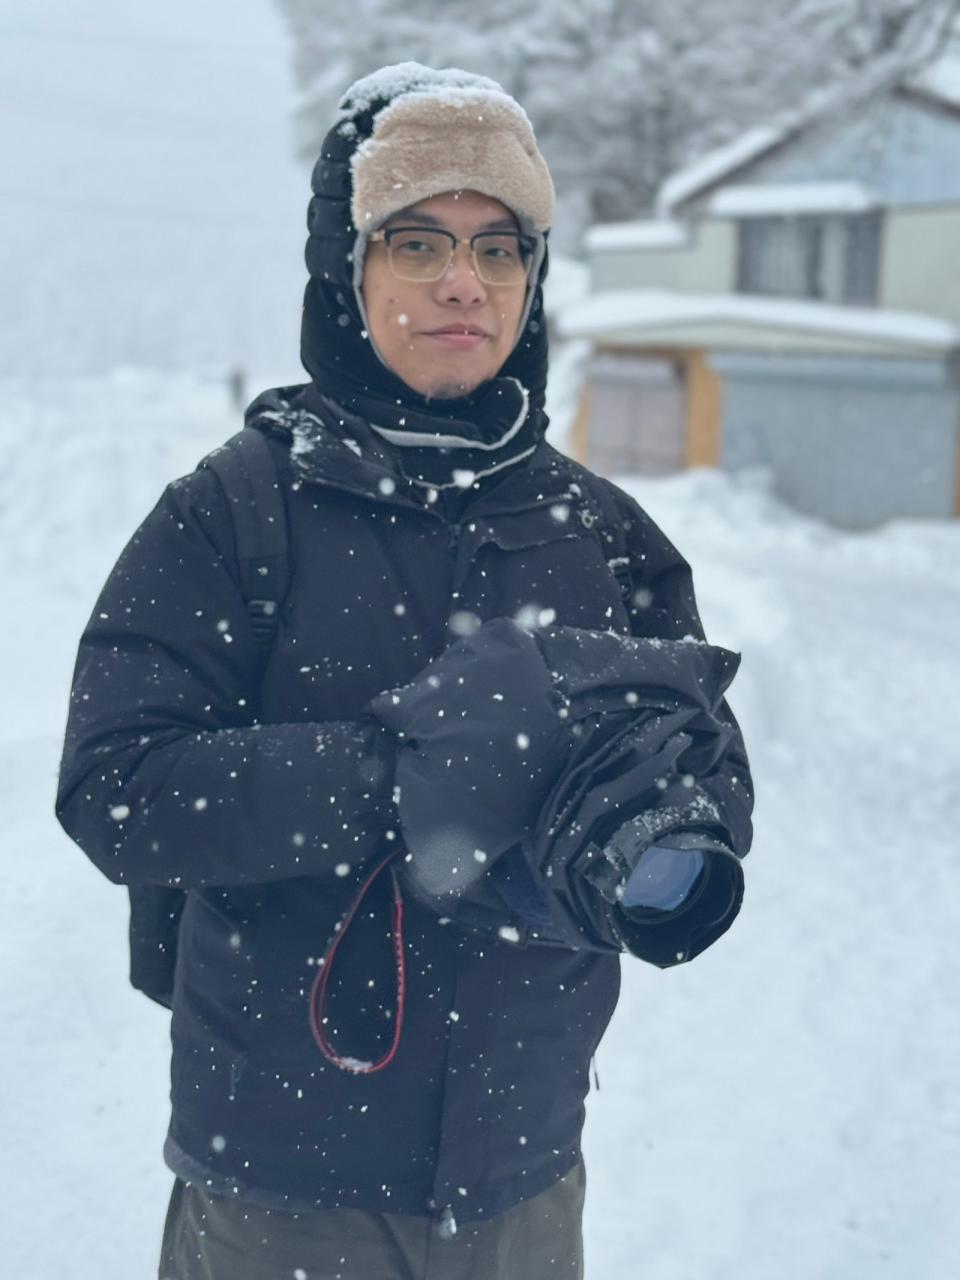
{"x":856,"y":411}
{"x":794,"y":304}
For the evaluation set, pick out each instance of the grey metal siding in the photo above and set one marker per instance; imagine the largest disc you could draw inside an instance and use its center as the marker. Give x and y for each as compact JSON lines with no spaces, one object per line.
{"x":853,"y":441}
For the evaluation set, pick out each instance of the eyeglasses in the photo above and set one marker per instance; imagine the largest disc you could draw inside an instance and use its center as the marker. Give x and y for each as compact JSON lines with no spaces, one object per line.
{"x":425,"y":253}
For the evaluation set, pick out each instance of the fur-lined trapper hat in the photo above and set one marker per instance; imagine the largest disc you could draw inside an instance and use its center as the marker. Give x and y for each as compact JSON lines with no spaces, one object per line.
{"x":399,"y":136}
{"x":467,"y":134}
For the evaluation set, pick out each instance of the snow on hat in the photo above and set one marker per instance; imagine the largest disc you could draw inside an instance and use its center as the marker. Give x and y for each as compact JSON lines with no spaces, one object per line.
{"x":441,"y":131}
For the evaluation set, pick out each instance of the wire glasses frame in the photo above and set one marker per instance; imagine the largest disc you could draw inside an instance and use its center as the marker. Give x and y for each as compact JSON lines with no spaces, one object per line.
{"x":423,"y":254}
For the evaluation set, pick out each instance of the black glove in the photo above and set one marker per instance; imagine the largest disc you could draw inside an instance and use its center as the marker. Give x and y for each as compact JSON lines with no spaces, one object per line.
{"x":482,"y":742}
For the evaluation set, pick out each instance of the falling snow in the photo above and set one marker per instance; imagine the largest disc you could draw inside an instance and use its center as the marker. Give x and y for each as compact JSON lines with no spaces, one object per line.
{"x":835,"y":976}
{"x":464,"y":622}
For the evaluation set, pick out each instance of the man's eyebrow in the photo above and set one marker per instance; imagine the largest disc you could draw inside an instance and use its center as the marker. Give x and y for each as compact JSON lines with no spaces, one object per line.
{"x":419,"y":219}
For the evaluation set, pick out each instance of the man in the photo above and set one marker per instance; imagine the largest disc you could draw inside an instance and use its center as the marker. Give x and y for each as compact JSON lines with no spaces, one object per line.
{"x":407,"y":878}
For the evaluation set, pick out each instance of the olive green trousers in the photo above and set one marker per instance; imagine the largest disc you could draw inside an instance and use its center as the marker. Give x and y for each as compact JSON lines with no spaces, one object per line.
{"x":213,"y":1238}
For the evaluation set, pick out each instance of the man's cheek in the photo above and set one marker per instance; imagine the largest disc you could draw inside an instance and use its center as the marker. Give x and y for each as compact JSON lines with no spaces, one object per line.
{"x":399,"y":318}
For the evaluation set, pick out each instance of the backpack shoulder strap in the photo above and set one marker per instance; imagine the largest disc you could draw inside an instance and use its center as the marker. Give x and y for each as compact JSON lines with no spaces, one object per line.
{"x":247,"y":470}
{"x":611,"y":518}
{"x":603,"y":516}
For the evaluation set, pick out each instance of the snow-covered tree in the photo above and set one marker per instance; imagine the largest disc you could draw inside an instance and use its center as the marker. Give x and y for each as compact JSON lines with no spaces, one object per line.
{"x":621,"y":94}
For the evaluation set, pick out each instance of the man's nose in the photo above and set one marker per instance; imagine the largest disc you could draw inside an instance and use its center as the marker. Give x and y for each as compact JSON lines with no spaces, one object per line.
{"x":460,"y":281}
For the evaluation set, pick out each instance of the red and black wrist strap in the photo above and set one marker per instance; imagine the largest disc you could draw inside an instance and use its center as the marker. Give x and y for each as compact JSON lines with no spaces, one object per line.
{"x":321,"y":983}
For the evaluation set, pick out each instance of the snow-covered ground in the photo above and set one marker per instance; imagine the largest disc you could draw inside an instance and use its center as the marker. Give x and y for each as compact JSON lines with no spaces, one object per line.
{"x":786,"y":1106}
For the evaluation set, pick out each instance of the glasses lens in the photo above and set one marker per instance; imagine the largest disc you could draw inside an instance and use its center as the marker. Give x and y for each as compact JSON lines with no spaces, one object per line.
{"x":418,"y":254}
{"x":501,"y":258}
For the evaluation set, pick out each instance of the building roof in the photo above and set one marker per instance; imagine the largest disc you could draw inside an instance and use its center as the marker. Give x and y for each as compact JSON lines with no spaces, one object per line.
{"x":645,"y":233}
{"x":939,"y":83}
{"x":720,"y":163}
{"x":629,"y":316}
{"x":763,"y":200}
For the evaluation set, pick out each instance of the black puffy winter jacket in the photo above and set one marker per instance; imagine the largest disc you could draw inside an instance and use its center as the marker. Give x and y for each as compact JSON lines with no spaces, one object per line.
{"x":269,"y":801}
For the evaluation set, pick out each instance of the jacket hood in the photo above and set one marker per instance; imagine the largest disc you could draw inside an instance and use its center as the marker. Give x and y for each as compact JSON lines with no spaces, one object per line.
{"x":335,"y":348}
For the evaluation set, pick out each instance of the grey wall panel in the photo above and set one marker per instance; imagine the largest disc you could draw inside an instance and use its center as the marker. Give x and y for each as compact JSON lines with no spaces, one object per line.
{"x":853,"y":441}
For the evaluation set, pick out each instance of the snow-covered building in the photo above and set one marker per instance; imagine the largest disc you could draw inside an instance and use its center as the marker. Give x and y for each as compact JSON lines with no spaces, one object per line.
{"x":795,"y":304}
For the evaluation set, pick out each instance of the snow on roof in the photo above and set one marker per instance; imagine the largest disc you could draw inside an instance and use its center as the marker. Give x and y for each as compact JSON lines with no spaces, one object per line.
{"x":715,"y":164}
{"x":651,"y":233}
{"x":942,"y":80}
{"x":798,"y":197}
{"x":634,"y":309}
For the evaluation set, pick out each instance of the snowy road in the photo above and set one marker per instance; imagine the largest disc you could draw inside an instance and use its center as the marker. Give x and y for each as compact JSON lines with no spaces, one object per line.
{"x":786,"y":1106}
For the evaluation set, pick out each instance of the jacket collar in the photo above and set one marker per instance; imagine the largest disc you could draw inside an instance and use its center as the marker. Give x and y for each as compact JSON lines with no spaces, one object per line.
{"x":346,"y":454}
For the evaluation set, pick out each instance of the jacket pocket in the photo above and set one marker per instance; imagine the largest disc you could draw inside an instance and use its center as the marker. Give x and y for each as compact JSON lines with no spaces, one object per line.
{"x":562,"y":582}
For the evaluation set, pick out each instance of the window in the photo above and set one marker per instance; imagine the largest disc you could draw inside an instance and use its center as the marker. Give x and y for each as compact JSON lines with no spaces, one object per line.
{"x":832,"y":257}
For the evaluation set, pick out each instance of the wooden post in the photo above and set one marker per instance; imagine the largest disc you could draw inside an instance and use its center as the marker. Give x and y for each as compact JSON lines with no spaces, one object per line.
{"x":704,"y":389}
{"x":580,"y":431}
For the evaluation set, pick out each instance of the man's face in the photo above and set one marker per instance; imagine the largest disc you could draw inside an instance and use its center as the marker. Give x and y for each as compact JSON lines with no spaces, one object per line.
{"x":443,"y":337}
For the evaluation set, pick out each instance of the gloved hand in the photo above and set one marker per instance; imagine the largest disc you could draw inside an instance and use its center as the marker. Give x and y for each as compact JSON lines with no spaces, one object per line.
{"x":642,"y":774}
{"x":481,"y":742}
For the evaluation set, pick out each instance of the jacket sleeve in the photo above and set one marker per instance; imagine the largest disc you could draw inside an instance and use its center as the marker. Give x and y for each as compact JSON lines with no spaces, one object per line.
{"x":167,"y":776}
{"x":662,"y":605}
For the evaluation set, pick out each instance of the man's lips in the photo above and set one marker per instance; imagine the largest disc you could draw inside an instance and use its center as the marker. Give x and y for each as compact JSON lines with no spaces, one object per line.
{"x":464,"y":337}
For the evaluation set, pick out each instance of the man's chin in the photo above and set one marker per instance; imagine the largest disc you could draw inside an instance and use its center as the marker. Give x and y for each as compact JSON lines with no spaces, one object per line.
{"x":450,"y":388}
